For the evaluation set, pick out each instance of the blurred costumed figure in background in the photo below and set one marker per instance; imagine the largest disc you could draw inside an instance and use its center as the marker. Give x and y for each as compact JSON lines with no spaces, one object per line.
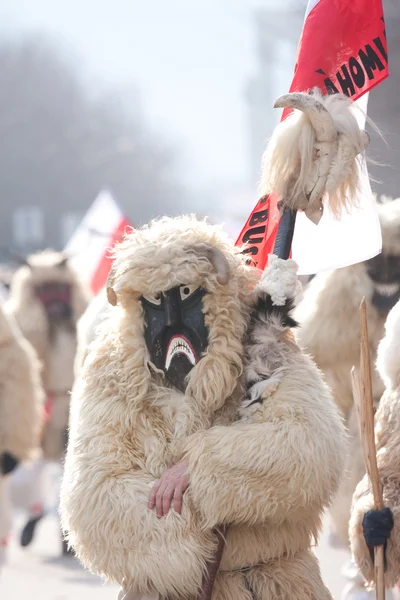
{"x":330,"y":331}
{"x":47,"y":299}
{"x":21,"y":405}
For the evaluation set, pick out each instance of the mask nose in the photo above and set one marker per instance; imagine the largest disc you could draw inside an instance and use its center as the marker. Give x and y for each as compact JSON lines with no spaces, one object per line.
{"x":172,"y":307}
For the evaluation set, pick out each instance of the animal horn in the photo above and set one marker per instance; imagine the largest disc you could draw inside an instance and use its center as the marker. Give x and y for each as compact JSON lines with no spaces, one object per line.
{"x":218,"y":260}
{"x":63,"y":262}
{"x":316,"y":112}
{"x":111,"y":295}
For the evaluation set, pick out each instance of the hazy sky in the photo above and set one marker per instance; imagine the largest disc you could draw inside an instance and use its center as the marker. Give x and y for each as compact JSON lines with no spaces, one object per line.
{"x":190,"y":59}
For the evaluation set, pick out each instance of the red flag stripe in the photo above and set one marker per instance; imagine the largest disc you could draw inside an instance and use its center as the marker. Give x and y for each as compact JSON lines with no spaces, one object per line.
{"x":342,"y":48}
{"x":101,"y":273}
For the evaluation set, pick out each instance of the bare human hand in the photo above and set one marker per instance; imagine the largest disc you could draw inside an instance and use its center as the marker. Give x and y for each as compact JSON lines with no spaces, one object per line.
{"x":170,"y":488}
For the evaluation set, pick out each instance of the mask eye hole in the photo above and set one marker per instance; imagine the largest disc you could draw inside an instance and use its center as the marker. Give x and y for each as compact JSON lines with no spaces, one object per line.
{"x":186,"y":291}
{"x":155,"y":300}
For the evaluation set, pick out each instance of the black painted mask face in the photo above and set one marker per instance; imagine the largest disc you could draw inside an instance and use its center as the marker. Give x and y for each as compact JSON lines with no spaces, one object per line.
{"x":176,"y":334}
{"x":384,"y":271}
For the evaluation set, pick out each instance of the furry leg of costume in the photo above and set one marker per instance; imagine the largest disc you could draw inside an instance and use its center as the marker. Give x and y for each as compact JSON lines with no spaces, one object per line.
{"x":32,"y":481}
{"x":5,"y":516}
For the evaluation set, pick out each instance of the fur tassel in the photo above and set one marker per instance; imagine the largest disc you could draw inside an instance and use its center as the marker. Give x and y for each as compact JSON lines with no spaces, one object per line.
{"x":279,"y":280}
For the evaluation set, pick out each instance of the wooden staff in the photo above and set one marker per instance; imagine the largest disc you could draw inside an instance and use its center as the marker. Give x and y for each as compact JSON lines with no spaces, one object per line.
{"x":213,"y":566}
{"x":362,"y":391}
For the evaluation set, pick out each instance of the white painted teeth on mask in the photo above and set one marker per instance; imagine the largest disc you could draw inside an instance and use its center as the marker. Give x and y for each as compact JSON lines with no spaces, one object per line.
{"x":387,"y":289}
{"x":179,"y":346}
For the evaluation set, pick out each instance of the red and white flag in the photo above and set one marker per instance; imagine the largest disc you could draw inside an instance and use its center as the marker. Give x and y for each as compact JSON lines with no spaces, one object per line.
{"x":343,"y":49}
{"x":103,"y":225}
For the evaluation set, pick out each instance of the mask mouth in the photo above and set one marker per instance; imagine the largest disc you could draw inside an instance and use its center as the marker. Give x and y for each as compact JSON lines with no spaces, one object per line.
{"x":387,"y":289}
{"x":179,"y":344}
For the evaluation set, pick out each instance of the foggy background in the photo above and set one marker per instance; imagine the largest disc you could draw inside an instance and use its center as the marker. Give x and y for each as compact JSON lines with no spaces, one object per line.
{"x":166,"y":104}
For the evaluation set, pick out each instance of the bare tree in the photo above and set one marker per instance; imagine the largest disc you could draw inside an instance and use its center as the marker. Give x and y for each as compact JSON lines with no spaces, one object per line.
{"x":60,"y":145}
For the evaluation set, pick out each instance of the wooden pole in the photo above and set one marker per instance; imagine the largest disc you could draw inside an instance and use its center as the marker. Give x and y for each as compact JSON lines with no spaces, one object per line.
{"x":213,"y":566}
{"x":362,"y":391}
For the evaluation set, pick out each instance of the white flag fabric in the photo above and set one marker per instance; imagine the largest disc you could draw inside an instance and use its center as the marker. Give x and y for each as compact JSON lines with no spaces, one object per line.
{"x":88,"y":247}
{"x":335,"y":243}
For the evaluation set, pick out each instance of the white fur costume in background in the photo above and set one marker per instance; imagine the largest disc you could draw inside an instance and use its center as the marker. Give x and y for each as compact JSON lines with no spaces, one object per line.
{"x":21,"y":404}
{"x":267,"y":471}
{"x":330,"y":331}
{"x":88,"y":326}
{"x":56,"y":351}
{"x":387,"y":434}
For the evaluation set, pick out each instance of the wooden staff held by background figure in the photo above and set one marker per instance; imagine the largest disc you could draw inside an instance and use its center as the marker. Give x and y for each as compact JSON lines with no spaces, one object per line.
{"x":362,"y":392}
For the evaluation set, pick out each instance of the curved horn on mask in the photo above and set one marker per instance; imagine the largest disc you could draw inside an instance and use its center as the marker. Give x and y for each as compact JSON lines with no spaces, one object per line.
{"x":217,"y":259}
{"x":63,"y":262}
{"x":111,"y":295}
{"x":316,"y":112}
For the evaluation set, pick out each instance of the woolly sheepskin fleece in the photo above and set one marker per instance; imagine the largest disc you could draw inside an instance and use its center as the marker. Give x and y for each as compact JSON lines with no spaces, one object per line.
{"x":88,"y":327}
{"x":330,"y":331}
{"x":267,"y":471}
{"x":21,"y":394}
{"x":57,"y":348}
{"x":387,"y":435}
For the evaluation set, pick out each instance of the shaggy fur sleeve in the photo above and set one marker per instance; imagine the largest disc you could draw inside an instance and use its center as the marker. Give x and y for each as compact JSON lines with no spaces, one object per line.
{"x":21,"y":396}
{"x":388,"y":457}
{"x":105,"y":493}
{"x":284,"y":464}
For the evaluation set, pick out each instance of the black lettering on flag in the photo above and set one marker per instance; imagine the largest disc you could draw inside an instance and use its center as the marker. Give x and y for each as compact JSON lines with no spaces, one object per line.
{"x":379,"y":45}
{"x":346,"y":82}
{"x":330,"y":86}
{"x":258,"y":217}
{"x":370,"y":61}
{"x":248,"y":236}
{"x":253,"y":250}
{"x":384,"y":29}
{"x":357,"y":72}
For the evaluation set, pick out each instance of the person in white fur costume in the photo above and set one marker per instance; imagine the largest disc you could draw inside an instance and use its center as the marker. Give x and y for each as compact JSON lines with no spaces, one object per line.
{"x":87,"y":327}
{"x":196,"y":386}
{"x":368,"y":527}
{"x":21,"y":405}
{"x":47,"y":299}
{"x":200,"y":435}
{"x":330,"y":331}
